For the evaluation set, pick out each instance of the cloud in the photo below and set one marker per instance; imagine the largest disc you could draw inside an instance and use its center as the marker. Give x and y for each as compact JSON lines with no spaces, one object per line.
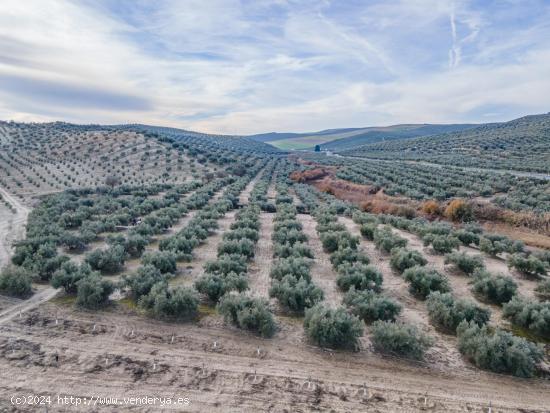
{"x":247,"y":67}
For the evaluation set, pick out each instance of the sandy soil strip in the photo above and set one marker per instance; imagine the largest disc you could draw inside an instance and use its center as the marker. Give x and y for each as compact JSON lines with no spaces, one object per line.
{"x":322,"y":273}
{"x":259,"y":280}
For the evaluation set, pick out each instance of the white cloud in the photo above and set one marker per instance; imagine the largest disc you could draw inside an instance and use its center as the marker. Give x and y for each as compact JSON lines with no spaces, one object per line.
{"x":233,"y":67}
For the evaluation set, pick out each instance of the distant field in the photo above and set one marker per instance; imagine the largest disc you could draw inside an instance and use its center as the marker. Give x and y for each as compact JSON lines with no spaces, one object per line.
{"x":305,"y":142}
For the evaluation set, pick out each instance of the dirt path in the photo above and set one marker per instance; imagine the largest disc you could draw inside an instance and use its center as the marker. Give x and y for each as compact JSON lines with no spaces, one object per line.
{"x":322,"y":273}
{"x":159,"y":359}
{"x":22,"y":307}
{"x":12,"y":226}
{"x":260,"y":267}
{"x":444,"y":352}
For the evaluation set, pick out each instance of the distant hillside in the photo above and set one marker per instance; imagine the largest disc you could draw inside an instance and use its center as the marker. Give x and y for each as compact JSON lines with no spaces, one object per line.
{"x":391,"y":133}
{"x":340,"y":139}
{"x":520,"y":144}
{"x":41,"y":158}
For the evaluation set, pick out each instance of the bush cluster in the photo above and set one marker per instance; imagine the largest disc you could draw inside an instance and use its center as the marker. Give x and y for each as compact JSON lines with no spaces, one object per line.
{"x":333,"y":328}
{"x":447,"y":312}
{"x":424,"y":280}
{"x":401,"y":339}
{"x":15,"y":281}
{"x":468,"y":264}
{"x":531,"y":315}
{"x":498,"y":351}
{"x":370,"y":306}
{"x":247,"y":313}
{"x":496,"y":289}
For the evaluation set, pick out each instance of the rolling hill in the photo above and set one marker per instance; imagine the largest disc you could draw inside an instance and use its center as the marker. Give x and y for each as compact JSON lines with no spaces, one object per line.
{"x":520,"y":144}
{"x":341,"y":139}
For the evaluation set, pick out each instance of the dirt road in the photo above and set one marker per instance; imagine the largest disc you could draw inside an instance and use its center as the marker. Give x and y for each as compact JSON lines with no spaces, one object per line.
{"x":12,"y":226}
{"x":221,"y":370}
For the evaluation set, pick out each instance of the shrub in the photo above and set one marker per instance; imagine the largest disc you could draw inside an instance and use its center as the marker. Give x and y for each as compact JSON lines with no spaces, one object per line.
{"x":297,"y":267}
{"x":142,"y":281}
{"x":464,"y":262}
{"x":500,"y":351}
{"x":333,"y":240}
{"x":93,"y":292}
{"x":496,"y":289}
{"x":296,"y":251}
{"x":402,"y":339}
{"x":242,"y":233}
{"x":442,"y":244}
{"x":431,"y":207}
{"x":334,"y":328}
{"x":533,"y":316}
{"x":459,"y":210}
{"x":447,"y":312}
{"x":367,"y":230}
{"x":467,"y":237}
{"x":242,"y":247}
{"x":295,"y":294}
{"x":289,"y":236}
{"x":15,"y":281}
{"x":530,"y":266}
{"x":107,"y":261}
{"x":360,"y":276}
{"x":69,"y":275}
{"x":226,"y":264}
{"x":179,"y":303}
{"x":402,"y":258}
{"x":72,"y":242}
{"x":165,"y":261}
{"x":543,"y":290}
{"x":347,"y":255}
{"x":247,"y":313}
{"x":135,"y":245}
{"x":386,"y":240}
{"x":216,"y":285}
{"x":425,"y":280}
{"x":492,"y":248}
{"x":370,"y":306}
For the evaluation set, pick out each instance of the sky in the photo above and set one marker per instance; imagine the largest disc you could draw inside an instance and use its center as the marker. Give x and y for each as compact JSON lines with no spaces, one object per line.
{"x":245,"y":67}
